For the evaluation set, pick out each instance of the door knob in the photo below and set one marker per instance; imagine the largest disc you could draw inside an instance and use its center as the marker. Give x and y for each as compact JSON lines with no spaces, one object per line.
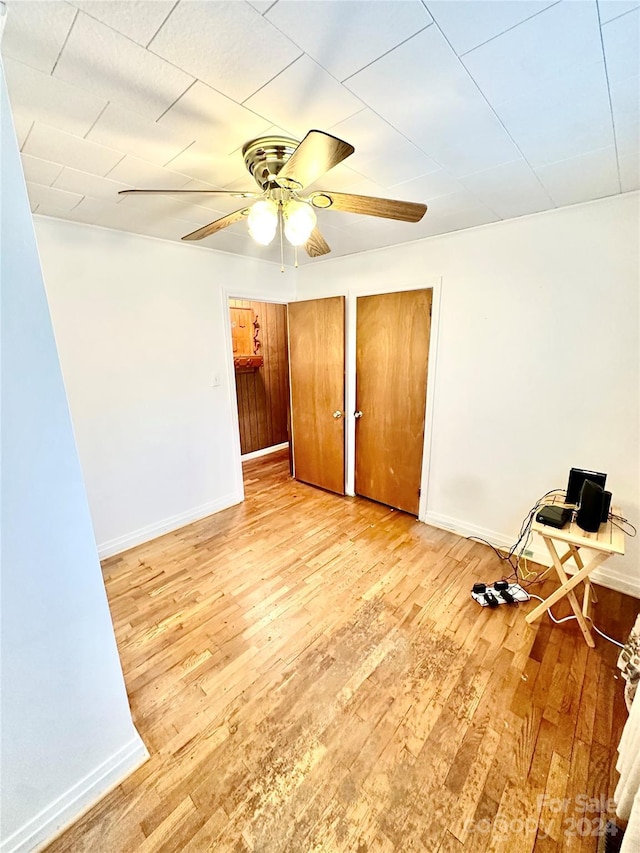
{"x":337,"y":414}
{"x":357,"y":414}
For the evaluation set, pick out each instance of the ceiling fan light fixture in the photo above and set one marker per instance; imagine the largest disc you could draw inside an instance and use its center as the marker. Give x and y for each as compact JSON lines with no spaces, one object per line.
{"x":263,"y":221}
{"x":299,"y":222}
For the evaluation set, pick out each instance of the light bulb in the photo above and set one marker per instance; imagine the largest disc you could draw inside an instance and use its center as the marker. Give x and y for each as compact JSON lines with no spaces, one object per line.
{"x":263,"y":221}
{"x":299,"y":222}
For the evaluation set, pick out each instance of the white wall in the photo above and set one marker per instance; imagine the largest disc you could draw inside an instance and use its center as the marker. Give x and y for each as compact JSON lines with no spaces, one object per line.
{"x":142,"y":330}
{"x":67,"y":734}
{"x":537,"y":365}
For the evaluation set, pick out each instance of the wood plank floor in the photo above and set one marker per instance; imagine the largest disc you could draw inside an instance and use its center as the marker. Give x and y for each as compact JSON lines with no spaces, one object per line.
{"x":309,"y":673}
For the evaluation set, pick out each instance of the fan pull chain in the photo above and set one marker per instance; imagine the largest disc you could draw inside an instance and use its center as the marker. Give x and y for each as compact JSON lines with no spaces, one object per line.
{"x":281,"y":240}
{"x":295,"y":256}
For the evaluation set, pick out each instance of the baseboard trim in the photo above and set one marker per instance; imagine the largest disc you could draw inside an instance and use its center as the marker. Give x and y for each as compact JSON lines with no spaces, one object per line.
{"x":605,"y":576}
{"x":146,"y":534}
{"x":52,"y":821}
{"x":264,"y":451}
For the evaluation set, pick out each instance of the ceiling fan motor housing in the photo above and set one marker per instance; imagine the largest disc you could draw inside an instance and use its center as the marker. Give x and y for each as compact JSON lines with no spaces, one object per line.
{"x":266,"y":155}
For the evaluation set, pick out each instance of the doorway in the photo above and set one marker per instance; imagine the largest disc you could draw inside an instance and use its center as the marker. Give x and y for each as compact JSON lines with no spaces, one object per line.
{"x":261,"y":368}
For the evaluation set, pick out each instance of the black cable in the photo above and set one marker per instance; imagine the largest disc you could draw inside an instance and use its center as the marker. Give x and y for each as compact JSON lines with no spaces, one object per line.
{"x":622,"y":520}
{"x":524,"y":537}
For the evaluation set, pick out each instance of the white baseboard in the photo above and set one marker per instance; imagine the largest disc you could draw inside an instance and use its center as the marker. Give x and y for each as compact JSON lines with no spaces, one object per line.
{"x":52,"y":821}
{"x":152,"y":531}
{"x":608,"y":576}
{"x":264,"y":451}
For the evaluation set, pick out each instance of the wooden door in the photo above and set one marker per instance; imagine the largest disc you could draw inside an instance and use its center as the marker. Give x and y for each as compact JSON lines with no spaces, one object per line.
{"x":392,"y":353}
{"x":316,"y":363}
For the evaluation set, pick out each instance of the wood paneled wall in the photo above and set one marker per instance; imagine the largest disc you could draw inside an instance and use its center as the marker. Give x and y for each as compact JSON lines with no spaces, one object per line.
{"x":263,"y":394}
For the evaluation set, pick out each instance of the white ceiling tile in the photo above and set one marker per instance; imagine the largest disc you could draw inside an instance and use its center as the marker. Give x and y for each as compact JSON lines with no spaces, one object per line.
{"x":41,"y":97}
{"x":543,"y":49}
{"x":56,"y":212}
{"x":445,"y":116}
{"x":49,"y":143}
{"x":205,"y":164}
{"x":592,"y":175}
{"x":214,"y":119}
{"x":437,"y":223}
{"x":22,"y":126}
{"x":163,"y":227}
{"x":39,"y":171}
{"x":119,"y":70}
{"x":35,"y":31}
{"x":625,"y":105}
{"x":48,"y":196}
{"x":261,"y":5}
{"x":360,"y":186}
{"x":561,"y":120}
{"x":89,"y":185}
{"x":140,"y":20}
{"x":457,"y":203}
{"x":382,"y":154}
{"x":155,"y":209}
{"x":630,"y":171}
{"x":230,"y":46}
{"x":628,"y":135}
{"x":130,"y":133}
{"x":427,"y":187}
{"x":621,"y":39}
{"x":215,"y":203}
{"x":340,"y":178}
{"x":469,"y":23}
{"x":625,"y":98}
{"x":354,"y":34}
{"x":304,"y":96}
{"x":510,"y":190}
{"x":198,"y":215}
{"x":470,"y":141}
{"x":94,"y":211}
{"x":138,"y":174}
{"x":610,"y":9}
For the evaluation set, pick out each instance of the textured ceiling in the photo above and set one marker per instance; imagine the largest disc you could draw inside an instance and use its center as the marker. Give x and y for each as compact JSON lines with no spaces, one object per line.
{"x":483,"y":110}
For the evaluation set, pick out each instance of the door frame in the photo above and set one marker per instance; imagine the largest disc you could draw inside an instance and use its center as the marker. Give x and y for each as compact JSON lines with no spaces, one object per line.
{"x":433,"y":283}
{"x":228,"y":293}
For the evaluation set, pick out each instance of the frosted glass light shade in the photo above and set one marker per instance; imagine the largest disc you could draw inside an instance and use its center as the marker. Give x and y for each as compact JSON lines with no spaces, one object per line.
{"x":299,"y":222}
{"x":263,"y":221}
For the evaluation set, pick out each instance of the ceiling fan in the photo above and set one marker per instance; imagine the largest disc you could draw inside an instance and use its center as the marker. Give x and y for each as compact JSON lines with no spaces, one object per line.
{"x":283,"y":169}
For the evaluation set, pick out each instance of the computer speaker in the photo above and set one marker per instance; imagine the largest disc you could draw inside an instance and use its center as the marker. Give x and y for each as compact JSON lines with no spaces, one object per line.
{"x":606,"y":506}
{"x":591,"y":504}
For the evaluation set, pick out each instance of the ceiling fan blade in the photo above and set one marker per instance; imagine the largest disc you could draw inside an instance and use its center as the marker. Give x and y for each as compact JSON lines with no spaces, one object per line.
{"x":317,"y":153}
{"x":316,"y":245}
{"x":388,"y":208}
{"x":189,"y":192}
{"x":218,"y":225}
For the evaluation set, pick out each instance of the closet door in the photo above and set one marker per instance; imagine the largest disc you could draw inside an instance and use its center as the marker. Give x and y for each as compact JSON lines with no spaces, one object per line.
{"x":316,"y":363}
{"x":392,"y":353}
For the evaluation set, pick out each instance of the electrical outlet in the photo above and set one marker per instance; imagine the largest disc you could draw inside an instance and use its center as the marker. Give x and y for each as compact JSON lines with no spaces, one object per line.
{"x":215,"y":382}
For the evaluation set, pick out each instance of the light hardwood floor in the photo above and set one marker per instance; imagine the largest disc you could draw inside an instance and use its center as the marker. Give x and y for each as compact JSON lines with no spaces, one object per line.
{"x":309,"y":673}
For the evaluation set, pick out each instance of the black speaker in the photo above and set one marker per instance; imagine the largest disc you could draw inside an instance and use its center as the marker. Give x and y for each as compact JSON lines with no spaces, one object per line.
{"x":577,"y":476}
{"x":591,"y":503}
{"x":606,"y":506}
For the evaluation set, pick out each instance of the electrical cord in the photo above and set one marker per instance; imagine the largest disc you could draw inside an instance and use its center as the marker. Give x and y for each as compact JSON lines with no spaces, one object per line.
{"x":614,"y":519}
{"x":569,"y":618}
{"x":515,"y":554}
